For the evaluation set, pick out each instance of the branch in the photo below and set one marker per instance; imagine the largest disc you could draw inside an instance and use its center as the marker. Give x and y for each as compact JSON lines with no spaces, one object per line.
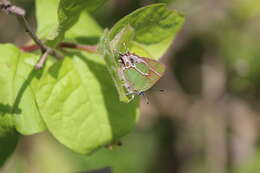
{"x":29,"y":48}
{"x":42,"y":59}
{"x":87,"y":48}
{"x":8,"y":8}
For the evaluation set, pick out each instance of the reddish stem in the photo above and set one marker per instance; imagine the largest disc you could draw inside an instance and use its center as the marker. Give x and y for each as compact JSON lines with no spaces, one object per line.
{"x":29,"y":48}
{"x":87,"y":48}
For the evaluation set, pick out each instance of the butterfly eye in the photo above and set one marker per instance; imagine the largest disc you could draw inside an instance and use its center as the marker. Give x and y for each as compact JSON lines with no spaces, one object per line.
{"x":132,"y":60}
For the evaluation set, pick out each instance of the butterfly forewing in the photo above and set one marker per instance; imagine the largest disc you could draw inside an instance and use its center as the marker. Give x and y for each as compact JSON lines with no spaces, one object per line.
{"x":143,"y":75}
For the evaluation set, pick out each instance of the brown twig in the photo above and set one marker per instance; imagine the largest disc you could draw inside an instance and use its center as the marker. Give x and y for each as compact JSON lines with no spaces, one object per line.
{"x":8,"y":8}
{"x":42,"y":59}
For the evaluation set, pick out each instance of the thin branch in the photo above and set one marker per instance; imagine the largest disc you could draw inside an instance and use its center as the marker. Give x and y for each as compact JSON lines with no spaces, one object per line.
{"x":87,"y":48}
{"x":29,"y":48}
{"x":42,"y":59}
{"x":8,"y":8}
{"x":28,"y":29}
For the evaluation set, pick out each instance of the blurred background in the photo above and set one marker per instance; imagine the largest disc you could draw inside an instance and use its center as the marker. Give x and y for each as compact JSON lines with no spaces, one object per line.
{"x":207,"y":119}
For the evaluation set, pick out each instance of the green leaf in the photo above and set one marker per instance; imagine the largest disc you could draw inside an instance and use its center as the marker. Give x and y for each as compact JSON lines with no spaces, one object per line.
{"x":8,"y":141}
{"x":79,"y":104}
{"x":155,"y":28}
{"x":18,"y":107}
{"x":62,"y":15}
{"x":133,"y":157}
{"x":78,"y":100}
{"x":85,"y":31}
{"x":47,"y":18}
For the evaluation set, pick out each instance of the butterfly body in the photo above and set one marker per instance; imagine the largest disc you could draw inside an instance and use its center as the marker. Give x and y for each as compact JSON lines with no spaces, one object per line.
{"x":139,"y":73}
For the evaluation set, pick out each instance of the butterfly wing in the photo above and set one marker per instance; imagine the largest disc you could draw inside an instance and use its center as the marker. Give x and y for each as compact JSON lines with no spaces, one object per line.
{"x":145,"y":75}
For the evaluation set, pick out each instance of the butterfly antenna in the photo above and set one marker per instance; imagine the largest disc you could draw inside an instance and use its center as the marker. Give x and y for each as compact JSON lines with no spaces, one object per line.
{"x":145,"y":97}
{"x":160,"y":90}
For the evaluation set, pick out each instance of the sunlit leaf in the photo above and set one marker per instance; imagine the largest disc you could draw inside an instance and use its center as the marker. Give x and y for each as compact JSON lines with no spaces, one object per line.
{"x":79,"y":104}
{"x":60,"y":17}
{"x":155,"y":27}
{"x":18,"y":106}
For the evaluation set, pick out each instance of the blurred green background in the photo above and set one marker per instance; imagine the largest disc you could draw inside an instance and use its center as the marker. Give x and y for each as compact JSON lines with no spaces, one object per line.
{"x":207,"y":119}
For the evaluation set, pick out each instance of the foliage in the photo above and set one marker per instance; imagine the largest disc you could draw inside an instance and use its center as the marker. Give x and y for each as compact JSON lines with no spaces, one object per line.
{"x":75,"y":99}
{"x":148,"y":31}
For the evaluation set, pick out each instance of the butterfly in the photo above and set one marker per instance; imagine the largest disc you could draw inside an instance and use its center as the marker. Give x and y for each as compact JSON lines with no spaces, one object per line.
{"x":139,"y":73}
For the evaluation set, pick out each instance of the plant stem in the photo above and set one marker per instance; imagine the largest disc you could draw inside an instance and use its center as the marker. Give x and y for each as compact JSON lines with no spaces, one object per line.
{"x":28,"y":29}
{"x":42,"y":59}
{"x":8,"y":8}
{"x":29,"y":48}
{"x":87,"y":48}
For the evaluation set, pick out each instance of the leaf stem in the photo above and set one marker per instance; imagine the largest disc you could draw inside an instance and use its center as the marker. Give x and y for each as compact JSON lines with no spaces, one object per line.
{"x":8,"y":8}
{"x":42,"y":59}
{"x":87,"y":48}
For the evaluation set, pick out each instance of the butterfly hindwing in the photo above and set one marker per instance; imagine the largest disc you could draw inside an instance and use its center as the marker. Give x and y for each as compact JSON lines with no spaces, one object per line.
{"x":140,"y":73}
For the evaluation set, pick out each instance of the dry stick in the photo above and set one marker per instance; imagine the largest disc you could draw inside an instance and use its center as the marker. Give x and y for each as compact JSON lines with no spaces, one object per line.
{"x":8,"y":8}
